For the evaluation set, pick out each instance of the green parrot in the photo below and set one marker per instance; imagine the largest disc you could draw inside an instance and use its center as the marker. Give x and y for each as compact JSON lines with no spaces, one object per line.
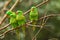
{"x":33,"y":16}
{"x":21,"y":20}
{"x":12,"y":16}
{"x":13,"y":22}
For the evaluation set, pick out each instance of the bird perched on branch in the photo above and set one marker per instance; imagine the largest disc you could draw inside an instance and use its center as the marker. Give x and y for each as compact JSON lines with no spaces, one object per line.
{"x":12,"y":16}
{"x":9,"y":12}
{"x":14,"y":22}
{"x":21,"y":20}
{"x":33,"y":15}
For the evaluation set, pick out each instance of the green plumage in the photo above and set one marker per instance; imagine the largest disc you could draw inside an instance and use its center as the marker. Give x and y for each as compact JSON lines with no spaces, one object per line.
{"x":9,"y":12}
{"x":12,"y":16}
{"x":13,"y":21}
{"x":33,"y":14}
{"x":14,"y":24}
{"x":20,"y":18}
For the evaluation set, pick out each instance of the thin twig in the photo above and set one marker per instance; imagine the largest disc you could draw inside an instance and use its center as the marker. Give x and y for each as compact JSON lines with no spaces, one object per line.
{"x":12,"y":30}
{"x":6,"y":4}
{"x":5,"y":16}
{"x":37,"y":33}
{"x":4,"y":27}
{"x":39,"y":30}
{"x":40,"y":4}
{"x":33,"y":25}
{"x":51,"y":15}
{"x":9,"y":31}
{"x":14,"y":5}
{"x":28,"y":24}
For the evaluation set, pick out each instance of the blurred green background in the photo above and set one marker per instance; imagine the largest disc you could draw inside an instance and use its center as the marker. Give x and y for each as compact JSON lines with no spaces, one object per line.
{"x":52,"y":29}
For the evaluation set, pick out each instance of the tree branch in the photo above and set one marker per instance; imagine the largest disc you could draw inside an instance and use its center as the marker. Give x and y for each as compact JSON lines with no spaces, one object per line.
{"x":4,"y":27}
{"x":28,"y":23}
{"x":5,"y":16}
{"x":4,"y":7}
{"x":40,"y":4}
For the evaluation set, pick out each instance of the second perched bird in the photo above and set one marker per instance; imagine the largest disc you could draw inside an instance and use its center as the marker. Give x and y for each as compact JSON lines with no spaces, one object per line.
{"x":20,"y":18}
{"x":33,"y":16}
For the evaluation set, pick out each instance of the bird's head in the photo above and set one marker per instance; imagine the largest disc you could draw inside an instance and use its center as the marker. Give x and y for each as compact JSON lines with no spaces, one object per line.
{"x":9,"y":13}
{"x":33,"y":8}
{"x":13,"y":14}
{"x":19,"y":12}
